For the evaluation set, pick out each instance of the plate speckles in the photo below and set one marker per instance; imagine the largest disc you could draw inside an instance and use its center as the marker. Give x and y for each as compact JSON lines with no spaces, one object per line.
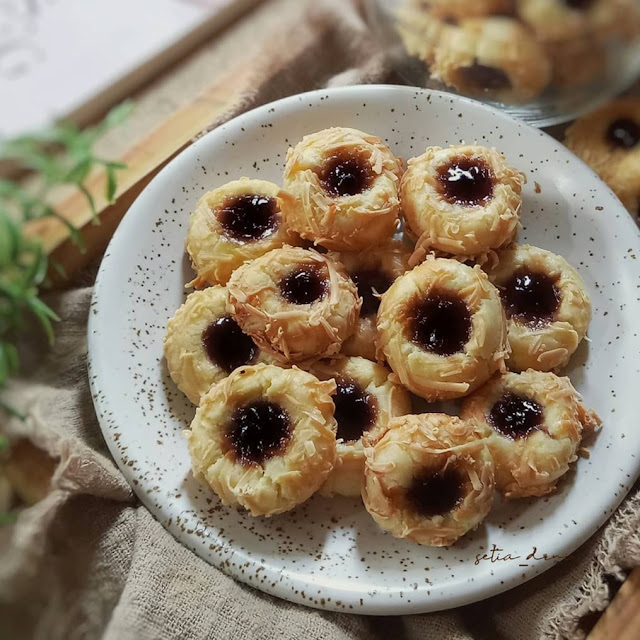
{"x":329,"y":553}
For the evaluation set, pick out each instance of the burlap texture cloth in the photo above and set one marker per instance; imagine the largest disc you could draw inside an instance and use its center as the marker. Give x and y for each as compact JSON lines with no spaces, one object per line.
{"x":88,"y":561}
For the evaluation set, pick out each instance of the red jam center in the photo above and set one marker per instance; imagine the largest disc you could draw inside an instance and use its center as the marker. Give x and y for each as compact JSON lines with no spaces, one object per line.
{"x":248,"y":218}
{"x":531,"y":297}
{"x":515,"y":416}
{"x":304,"y":285}
{"x":624,"y":133}
{"x":346,"y":173}
{"x":258,"y":431}
{"x":434,"y":494}
{"x":440,"y":324}
{"x":485,"y":77}
{"x":466,"y":181}
{"x":227,"y":346}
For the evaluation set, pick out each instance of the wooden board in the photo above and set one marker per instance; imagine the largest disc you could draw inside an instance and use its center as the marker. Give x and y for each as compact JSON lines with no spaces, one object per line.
{"x":621,"y":620}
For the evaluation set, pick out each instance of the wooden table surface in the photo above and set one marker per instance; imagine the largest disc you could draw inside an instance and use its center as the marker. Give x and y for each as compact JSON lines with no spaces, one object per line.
{"x":146,"y":151}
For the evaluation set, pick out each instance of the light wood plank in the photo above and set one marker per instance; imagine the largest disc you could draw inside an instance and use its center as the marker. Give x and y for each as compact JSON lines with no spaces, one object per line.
{"x":621,"y":620}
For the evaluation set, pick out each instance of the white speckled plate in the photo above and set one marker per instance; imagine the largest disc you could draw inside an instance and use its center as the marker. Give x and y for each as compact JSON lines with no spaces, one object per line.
{"x":329,"y":553}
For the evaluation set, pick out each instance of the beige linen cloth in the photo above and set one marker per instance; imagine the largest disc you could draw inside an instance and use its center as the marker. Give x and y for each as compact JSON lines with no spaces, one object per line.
{"x":89,"y":561}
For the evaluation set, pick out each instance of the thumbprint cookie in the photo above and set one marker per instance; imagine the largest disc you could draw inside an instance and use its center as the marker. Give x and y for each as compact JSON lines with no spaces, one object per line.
{"x":365,"y":401}
{"x":341,"y":189}
{"x":205,"y":344}
{"x":232,"y":224}
{"x":608,"y":140}
{"x":464,"y":200}
{"x":297,"y":304}
{"x":442,"y":329}
{"x":420,"y":30}
{"x":547,"y":307}
{"x":535,"y":423}
{"x":373,"y":273}
{"x":428,"y":478}
{"x":264,"y":438}
{"x":494,"y":57}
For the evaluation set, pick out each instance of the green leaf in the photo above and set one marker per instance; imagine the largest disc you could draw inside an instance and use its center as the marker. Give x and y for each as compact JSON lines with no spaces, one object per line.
{"x":76,"y":236}
{"x":79,"y":172}
{"x":91,"y":202}
{"x":44,"y":314}
{"x":112,"y":183}
{"x":38,"y":269}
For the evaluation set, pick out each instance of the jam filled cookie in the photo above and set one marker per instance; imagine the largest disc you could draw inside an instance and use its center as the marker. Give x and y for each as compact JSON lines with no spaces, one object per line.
{"x":297,"y":304}
{"x":493,"y":57}
{"x":535,"y":421}
{"x":264,"y":438}
{"x":428,"y":478}
{"x":341,"y":189}
{"x":463,"y":200}
{"x":442,"y":329}
{"x":365,"y":401}
{"x":373,"y":273}
{"x":232,"y":224}
{"x":608,"y":140}
{"x":420,"y":30}
{"x":204,"y":343}
{"x":547,"y":307}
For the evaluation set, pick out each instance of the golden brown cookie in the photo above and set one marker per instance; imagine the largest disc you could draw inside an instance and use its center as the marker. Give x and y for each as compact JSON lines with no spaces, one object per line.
{"x":205,"y":344}
{"x":608,"y":140}
{"x":428,"y":478}
{"x":420,"y":30}
{"x":547,"y":307}
{"x":373,"y":272}
{"x":232,"y":224}
{"x":534,"y":421}
{"x":297,"y":304}
{"x":494,"y":57}
{"x":365,"y":401}
{"x":463,"y":200}
{"x":341,"y":189}
{"x":264,"y":438}
{"x":442,"y":329}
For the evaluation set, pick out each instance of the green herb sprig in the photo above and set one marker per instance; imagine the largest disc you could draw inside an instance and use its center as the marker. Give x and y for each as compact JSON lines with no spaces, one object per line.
{"x":62,"y":155}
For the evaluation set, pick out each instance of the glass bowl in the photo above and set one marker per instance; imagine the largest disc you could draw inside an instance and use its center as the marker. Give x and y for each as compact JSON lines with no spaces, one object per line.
{"x":544,"y":61}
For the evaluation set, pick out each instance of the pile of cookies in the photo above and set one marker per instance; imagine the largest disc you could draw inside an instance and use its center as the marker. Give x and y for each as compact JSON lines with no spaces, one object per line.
{"x":316,"y":322}
{"x":513,"y":50}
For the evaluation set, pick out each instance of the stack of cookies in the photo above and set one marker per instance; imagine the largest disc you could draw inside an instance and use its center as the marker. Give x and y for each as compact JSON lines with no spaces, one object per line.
{"x":326,"y":307}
